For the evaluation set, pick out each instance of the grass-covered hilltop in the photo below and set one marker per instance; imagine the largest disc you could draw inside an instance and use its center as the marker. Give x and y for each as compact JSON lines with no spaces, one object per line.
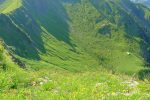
{"x":74,"y":50}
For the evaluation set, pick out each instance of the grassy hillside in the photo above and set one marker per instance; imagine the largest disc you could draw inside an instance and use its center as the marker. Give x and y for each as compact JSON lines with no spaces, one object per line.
{"x":56,"y":83}
{"x":7,"y":6}
{"x":81,"y":49}
{"x":63,"y":33}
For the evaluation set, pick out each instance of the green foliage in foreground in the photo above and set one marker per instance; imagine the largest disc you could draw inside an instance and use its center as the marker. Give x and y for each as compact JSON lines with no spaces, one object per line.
{"x":11,"y":76}
{"x":63,"y":85}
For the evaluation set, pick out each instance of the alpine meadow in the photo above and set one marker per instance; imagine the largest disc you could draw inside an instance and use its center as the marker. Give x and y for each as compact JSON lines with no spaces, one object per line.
{"x":74,"y":50}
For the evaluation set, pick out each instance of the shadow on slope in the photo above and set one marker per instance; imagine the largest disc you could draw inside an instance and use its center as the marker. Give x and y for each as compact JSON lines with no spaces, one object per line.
{"x":52,"y":16}
{"x":18,"y":39}
{"x":1,"y":1}
{"x":144,"y":74}
{"x":22,"y":28}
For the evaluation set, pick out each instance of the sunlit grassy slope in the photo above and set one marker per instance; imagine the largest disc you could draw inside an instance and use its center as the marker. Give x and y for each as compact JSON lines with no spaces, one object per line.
{"x":57,"y":83}
{"x":74,"y":49}
{"x":9,"y":6}
{"x":79,"y":35}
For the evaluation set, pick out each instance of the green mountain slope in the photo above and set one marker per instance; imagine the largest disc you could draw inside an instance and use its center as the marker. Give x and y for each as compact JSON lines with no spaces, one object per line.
{"x":8,"y":6}
{"x":54,"y":83}
{"x":52,"y":39}
{"x":63,"y":33}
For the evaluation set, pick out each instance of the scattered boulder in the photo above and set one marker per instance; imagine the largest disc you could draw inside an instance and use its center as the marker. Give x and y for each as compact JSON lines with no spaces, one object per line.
{"x":131,"y":83}
{"x":128,"y":53}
